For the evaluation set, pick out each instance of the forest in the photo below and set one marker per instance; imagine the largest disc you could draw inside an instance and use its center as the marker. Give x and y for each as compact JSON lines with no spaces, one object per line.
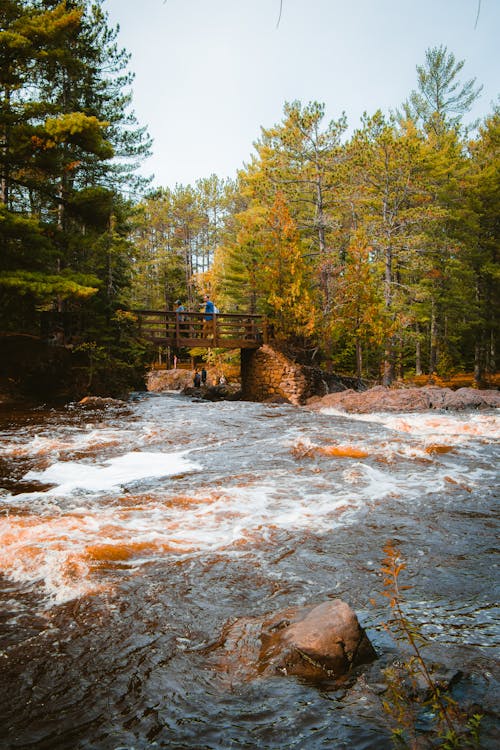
{"x":372,"y":249}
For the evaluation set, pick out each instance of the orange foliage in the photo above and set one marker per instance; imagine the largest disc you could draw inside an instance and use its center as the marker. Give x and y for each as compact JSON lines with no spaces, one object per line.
{"x":458,"y":380}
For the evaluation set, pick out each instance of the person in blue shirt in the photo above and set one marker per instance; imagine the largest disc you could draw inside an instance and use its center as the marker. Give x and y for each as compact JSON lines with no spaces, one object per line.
{"x":208,"y":316}
{"x":180,"y":309}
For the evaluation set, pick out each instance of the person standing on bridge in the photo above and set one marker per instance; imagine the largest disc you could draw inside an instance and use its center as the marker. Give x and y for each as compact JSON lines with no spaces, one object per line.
{"x":208,"y":316}
{"x":180,"y":310}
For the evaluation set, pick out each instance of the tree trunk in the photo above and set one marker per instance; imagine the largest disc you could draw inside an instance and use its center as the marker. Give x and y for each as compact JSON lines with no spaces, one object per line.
{"x":418,"y":352}
{"x":359,"y":359}
{"x":433,"y":354}
{"x":325,"y":271}
{"x":491,"y":363}
{"x":399,"y":364}
{"x":478,"y":362}
{"x":388,"y":374}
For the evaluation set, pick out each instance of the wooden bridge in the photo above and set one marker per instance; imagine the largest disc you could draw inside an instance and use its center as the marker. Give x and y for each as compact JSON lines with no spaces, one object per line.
{"x":188,"y":329}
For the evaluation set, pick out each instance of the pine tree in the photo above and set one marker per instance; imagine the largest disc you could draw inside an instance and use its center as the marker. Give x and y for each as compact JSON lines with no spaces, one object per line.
{"x":441,"y":100}
{"x":360,"y":320}
{"x":395,"y":208}
{"x":305,"y":161}
{"x":283,"y":274}
{"x":481,"y":245}
{"x":65,"y":128}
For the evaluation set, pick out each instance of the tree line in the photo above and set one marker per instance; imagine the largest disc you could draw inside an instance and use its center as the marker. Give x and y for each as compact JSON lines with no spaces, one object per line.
{"x":373,"y":251}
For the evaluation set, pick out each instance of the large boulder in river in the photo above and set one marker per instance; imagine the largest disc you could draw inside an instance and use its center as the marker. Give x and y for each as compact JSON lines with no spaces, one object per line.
{"x":323,"y":641}
{"x":326,"y":640}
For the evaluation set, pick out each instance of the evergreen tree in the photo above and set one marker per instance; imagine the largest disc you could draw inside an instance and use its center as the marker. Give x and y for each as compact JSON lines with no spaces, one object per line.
{"x":441,"y":100}
{"x":395,"y":208}
{"x":58,"y":171}
{"x":236,"y":273}
{"x":481,"y":246}
{"x":159,"y":267}
{"x":304,"y":160}
{"x":360,"y":321}
{"x":176,"y":234}
{"x":283,"y":274}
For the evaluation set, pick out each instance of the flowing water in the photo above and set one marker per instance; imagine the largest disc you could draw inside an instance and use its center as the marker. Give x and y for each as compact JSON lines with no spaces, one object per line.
{"x":130,"y":539}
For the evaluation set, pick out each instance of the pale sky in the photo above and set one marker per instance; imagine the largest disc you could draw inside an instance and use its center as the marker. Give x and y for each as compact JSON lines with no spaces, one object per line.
{"x":210,"y":73}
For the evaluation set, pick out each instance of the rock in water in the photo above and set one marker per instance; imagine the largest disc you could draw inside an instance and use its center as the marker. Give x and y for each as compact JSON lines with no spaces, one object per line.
{"x":312,"y":642}
{"x":326,"y":640}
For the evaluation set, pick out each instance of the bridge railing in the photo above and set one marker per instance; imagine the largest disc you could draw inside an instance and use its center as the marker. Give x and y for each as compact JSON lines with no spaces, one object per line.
{"x":189,"y":329}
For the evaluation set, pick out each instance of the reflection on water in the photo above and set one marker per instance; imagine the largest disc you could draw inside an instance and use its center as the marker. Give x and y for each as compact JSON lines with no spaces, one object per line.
{"x":129,"y":540}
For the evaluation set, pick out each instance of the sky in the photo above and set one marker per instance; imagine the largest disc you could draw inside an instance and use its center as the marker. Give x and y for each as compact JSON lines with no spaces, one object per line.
{"x":210,"y":73}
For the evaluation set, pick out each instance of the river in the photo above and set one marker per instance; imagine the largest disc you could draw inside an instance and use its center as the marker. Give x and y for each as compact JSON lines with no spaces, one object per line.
{"x":130,"y":538}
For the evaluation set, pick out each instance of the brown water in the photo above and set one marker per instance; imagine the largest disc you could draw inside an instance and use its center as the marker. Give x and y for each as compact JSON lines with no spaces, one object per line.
{"x":130,"y":538}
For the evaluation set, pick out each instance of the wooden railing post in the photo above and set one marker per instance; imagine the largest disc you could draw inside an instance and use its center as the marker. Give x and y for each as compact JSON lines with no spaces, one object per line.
{"x":177,"y":329}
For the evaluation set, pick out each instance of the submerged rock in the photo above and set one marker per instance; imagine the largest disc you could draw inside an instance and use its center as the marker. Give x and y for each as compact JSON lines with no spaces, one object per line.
{"x":221,"y":393}
{"x":323,"y":641}
{"x":101,"y":402}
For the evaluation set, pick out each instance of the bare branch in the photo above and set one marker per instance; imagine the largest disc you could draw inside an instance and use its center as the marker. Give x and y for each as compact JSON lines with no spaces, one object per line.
{"x":478,"y":12}
{"x":279,"y":17}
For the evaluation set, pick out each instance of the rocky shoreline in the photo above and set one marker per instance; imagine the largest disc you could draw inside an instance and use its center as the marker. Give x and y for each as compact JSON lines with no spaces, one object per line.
{"x":375,"y":399}
{"x":412,"y":399}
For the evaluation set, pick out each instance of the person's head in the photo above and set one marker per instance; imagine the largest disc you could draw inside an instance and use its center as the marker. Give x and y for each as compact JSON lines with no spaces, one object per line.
{"x":206,"y":297}
{"x":178,"y":302}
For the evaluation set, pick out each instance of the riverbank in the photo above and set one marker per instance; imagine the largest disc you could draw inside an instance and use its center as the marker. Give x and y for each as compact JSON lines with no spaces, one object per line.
{"x":411,"y":399}
{"x":345,"y":398}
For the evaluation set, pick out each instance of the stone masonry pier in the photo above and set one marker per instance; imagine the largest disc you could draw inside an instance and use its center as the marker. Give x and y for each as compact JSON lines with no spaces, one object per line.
{"x":267,"y":374}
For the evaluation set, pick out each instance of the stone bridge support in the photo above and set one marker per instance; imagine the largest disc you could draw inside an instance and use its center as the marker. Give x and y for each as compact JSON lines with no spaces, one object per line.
{"x":268,"y":374}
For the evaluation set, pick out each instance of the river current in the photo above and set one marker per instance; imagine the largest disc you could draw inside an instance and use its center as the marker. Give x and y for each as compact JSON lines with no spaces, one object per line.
{"x":131,"y":537}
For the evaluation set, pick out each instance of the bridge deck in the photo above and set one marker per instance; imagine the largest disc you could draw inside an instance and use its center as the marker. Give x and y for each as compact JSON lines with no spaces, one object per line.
{"x":187,"y":329}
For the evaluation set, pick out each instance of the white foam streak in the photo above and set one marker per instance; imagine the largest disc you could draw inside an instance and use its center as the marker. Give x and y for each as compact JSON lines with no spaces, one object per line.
{"x":87,"y":438}
{"x":455,"y":427}
{"x":117,"y":472}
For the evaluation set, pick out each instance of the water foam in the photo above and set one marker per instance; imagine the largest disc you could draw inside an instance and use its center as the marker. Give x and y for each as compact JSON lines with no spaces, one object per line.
{"x":117,"y":472}
{"x":455,"y":427}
